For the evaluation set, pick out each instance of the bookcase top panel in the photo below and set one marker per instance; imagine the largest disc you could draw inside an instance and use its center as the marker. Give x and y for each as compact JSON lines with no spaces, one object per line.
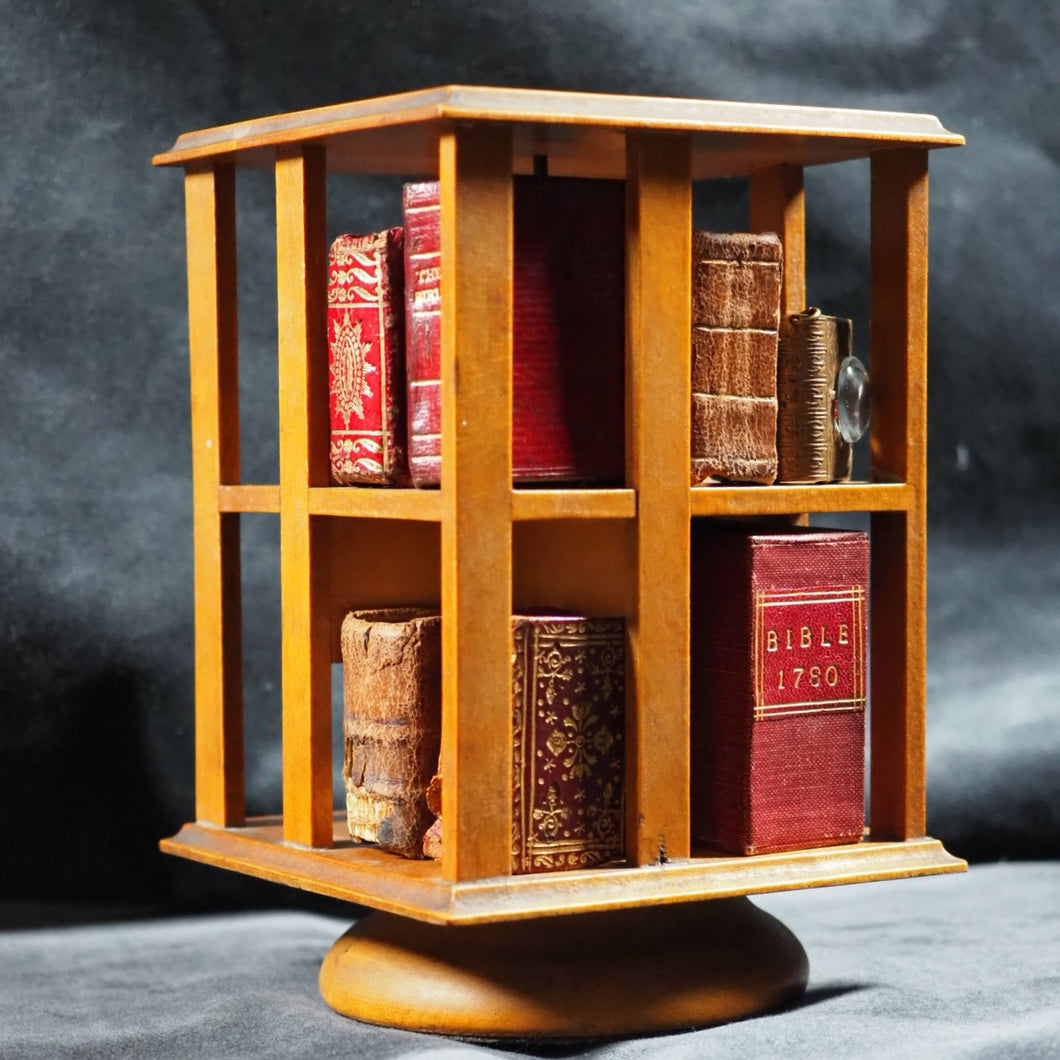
{"x":581,"y":133}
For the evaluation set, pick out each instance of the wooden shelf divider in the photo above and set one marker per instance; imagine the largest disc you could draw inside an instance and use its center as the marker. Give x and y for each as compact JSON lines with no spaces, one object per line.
{"x":301,"y":252}
{"x":209,"y":191}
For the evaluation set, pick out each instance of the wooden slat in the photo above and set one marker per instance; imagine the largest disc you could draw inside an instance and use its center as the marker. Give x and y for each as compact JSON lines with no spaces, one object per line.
{"x":368,"y":502}
{"x":899,"y":439}
{"x":815,"y":132}
{"x":658,"y":440}
{"x":213,"y":335}
{"x":301,"y":267}
{"x":778,"y":204}
{"x":791,"y":500}
{"x":367,"y":875}
{"x":476,"y":243}
{"x":574,"y":504}
{"x":248,"y":498}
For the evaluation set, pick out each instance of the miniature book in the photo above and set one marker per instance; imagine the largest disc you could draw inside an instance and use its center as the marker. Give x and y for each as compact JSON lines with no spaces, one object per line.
{"x":735,"y":316}
{"x":392,"y":724}
{"x":366,"y":352}
{"x":568,"y":330}
{"x":823,"y":395}
{"x":568,"y":704}
{"x":568,"y":716}
{"x":778,"y":687}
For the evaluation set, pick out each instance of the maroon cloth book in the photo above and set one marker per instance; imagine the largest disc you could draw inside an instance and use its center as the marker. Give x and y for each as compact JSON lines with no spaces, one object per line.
{"x":568,"y":718}
{"x":568,"y":330}
{"x":778,"y":687}
{"x":366,"y":353}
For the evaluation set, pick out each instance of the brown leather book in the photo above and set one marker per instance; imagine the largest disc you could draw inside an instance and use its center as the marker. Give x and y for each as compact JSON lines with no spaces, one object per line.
{"x":392,"y":724}
{"x":568,"y":709}
{"x":735,"y":316}
{"x":778,"y":687}
{"x":366,"y":353}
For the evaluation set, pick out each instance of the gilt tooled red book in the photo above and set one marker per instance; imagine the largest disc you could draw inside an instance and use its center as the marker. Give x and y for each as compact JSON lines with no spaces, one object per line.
{"x":366,"y":353}
{"x":568,"y":330}
{"x":778,"y":687}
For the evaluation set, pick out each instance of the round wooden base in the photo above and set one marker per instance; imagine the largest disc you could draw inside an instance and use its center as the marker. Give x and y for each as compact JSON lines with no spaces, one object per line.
{"x":629,"y":971}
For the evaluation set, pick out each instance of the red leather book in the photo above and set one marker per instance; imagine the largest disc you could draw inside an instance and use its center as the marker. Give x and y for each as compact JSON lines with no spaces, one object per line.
{"x":366,"y":351}
{"x":778,"y":687}
{"x":568,"y":330}
{"x":568,"y":754}
{"x":568,"y":716}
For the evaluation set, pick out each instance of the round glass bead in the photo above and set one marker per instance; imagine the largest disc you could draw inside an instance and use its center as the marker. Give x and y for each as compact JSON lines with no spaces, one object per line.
{"x":853,"y":399}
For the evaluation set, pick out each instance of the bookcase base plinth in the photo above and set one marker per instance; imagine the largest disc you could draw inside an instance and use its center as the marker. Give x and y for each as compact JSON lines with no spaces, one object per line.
{"x":629,"y":971}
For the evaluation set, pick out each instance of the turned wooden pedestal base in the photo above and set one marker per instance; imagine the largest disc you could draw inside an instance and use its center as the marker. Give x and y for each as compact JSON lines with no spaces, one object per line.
{"x":629,"y":971}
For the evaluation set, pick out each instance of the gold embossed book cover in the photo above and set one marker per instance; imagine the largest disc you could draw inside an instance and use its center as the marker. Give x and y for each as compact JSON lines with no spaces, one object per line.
{"x":568,"y":700}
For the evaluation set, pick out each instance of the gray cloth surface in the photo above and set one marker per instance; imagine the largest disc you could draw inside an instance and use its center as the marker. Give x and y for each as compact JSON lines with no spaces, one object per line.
{"x":964,"y":966}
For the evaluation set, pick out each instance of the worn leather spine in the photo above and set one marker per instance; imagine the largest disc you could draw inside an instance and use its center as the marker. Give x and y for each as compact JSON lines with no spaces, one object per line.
{"x":568,"y":330}
{"x":735,"y":316}
{"x":366,"y":353}
{"x":809,"y":445}
{"x":778,"y":686}
{"x":392,"y":724}
{"x":568,"y":714}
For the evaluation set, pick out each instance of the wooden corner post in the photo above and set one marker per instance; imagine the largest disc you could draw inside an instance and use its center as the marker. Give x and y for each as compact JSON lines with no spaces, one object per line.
{"x":658,"y":462}
{"x":778,"y":204}
{"x":475,"y":169}
{"x":898,"y":344}
{"x":301,"y":277}
{"x":213,"y":332}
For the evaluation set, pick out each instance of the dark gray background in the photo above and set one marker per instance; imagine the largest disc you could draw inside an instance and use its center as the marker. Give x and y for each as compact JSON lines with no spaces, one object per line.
{"x":95,"y":501}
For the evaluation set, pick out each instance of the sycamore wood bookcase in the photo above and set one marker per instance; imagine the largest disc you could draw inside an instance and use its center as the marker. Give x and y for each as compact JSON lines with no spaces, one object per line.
{"x":481,"y":549}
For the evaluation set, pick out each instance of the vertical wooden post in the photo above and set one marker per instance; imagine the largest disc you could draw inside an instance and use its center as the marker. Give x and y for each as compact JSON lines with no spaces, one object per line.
{"x":301,"y":272}
{"x":475,"y":165}
{"x":658,"y":462}
{"x":213,"y":331}
{"x":778,"y":204}
{"x":899,"y":435}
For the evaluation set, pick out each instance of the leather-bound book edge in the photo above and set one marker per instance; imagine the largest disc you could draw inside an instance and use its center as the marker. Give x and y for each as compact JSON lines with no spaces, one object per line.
{"x":735,"y":315}
{"x":366,"y":355}
{"x":568,"y":330}
{"x":392,"y":724}
{"x":778,"y":688}
{"x":568,"y":711}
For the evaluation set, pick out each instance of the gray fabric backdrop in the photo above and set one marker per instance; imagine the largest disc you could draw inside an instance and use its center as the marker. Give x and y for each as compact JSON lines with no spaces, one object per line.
{"x":95,"y":505}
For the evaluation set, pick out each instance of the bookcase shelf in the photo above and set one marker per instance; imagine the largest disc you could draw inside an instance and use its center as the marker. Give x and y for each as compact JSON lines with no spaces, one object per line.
{"x":418,"y":889}
{"x":479,"y":549}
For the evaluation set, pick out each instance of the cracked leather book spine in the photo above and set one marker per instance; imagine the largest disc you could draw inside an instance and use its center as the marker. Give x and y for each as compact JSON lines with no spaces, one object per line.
{"x":778,"y":688}
{"x":392,"y":724}
{"x":568,"y":714}
{"x":735,"y":316}
{"x":366,"y":359}
{"x":568,"y":330}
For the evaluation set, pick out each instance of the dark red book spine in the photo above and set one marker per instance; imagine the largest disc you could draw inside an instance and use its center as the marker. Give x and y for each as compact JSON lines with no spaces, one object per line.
{"x":568,"y":330}
{"x":366,"y":354}
{"x":423,"y":331}
{"x":778,"y":688}
{"x":568,"y":722}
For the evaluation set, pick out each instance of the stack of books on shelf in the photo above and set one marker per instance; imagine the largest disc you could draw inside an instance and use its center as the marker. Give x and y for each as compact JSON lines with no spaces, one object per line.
{"x":778,"y":618}
{"x":757,"y":416}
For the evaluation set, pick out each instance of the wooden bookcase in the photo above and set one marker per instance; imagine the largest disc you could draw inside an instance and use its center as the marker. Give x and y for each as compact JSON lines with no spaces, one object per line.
{"x":481,"y":549}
